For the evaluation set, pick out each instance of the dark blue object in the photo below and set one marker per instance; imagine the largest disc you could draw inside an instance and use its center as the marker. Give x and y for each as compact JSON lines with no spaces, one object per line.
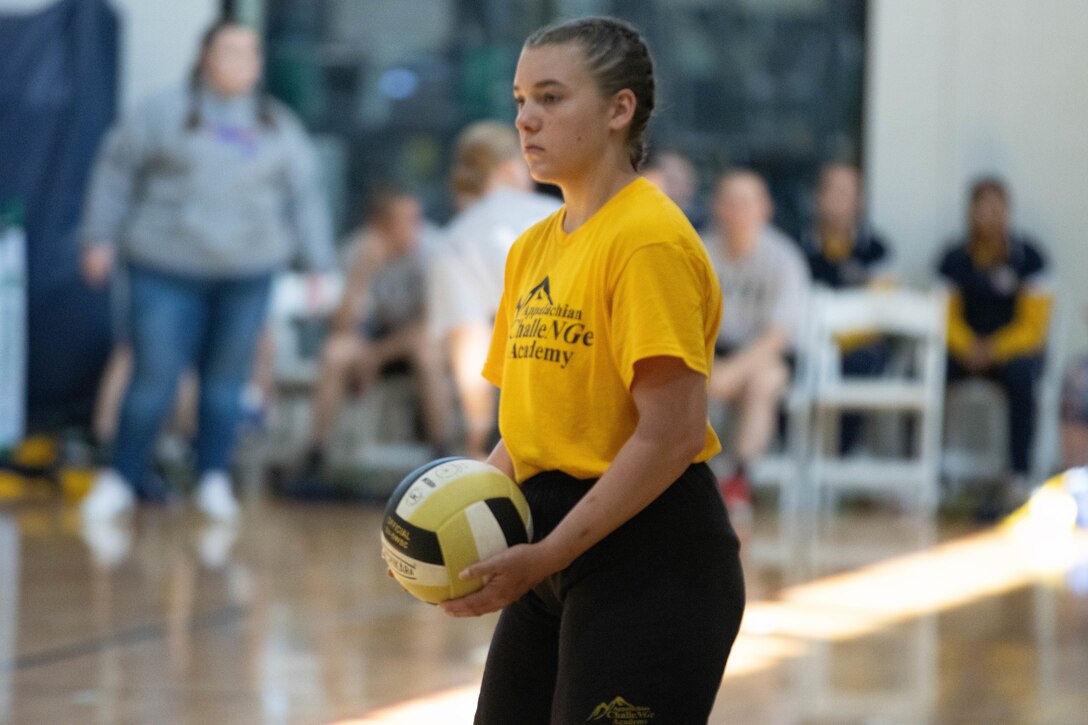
{"x":58,"y":91}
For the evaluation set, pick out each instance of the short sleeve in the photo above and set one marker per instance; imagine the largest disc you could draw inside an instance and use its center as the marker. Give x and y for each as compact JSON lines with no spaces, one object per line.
{"x":1036,"y":274}
{"x":659,"y":308}
{"x":947,"y":267}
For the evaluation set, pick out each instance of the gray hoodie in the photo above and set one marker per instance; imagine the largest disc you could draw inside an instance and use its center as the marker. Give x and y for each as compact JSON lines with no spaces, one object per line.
{"x":228,"y":198}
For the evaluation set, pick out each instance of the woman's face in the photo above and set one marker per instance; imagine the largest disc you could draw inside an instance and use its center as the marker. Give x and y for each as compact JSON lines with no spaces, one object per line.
{"x":232,"y":63}
{"x":990,"y":215}
{"x":563,"y":121}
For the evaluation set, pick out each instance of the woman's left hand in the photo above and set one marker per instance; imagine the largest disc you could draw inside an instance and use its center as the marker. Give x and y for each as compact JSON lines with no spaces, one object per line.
{"x":508,"y":575}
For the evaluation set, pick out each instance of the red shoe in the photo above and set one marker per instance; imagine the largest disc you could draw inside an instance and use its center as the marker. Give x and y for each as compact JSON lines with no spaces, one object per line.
{"x":736,"y":491}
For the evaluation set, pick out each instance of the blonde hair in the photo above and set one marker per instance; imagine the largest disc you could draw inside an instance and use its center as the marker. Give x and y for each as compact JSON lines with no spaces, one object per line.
{"x":478,"y":150}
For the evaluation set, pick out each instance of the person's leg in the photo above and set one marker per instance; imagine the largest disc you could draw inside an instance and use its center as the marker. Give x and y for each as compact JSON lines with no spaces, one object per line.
{"x":166,"y":317}
{"x":758,"y":405}
{"x":428,"y":363}
{"x":519,"y":677}
{"x":1018,"y":377}
{"x":339,"y":359}
{"x":235,"y":321}
{"x":467,"y":353}
{"x":1075,"y":416}
{"x":118,"y":370}
{"x":647,"y":627}
{"x":111,"y":392}
{"x":184,"y":421}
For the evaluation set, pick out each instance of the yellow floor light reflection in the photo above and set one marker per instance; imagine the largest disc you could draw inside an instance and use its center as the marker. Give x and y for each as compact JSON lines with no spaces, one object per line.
{"x":1036,"y":543}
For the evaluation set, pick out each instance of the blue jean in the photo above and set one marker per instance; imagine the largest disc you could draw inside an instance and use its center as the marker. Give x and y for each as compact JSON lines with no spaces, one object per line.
{"x":177,"y":323}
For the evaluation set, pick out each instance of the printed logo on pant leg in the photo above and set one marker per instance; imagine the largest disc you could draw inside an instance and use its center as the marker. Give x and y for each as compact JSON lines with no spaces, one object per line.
{"x":621,"y":712}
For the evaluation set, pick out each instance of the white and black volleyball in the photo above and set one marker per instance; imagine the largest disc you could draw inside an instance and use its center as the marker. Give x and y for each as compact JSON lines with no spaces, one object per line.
{"x":446,"y":515}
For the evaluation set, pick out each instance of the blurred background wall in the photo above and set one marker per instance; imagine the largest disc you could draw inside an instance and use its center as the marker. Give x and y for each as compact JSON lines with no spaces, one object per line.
{"x":958,"y":88}
{"x":924,"y":95}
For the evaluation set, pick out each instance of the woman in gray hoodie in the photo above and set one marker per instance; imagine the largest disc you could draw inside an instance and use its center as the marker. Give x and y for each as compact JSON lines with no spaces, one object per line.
{"x":202,"y":196}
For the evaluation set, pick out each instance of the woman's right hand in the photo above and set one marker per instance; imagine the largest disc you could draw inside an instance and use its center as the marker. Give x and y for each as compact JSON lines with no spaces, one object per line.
{"x":96,"y":264}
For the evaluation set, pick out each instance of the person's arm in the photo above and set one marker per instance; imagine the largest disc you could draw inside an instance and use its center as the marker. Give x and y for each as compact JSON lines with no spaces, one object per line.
{"x":357,"y":286}
{"x":672,"y":408}
{"x":110,"y":194}
{"x":501,"y":460}
{"x":961,"y":338}
{"x":307,"y":208}
{"x":1026,"y":333}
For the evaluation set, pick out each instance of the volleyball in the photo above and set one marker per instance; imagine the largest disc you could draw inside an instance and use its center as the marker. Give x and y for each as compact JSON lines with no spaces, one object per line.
{"x":445,"y":516}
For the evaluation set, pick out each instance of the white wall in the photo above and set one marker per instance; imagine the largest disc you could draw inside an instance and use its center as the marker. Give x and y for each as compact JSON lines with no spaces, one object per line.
{"x":958,"y":88}
{"x":158,"y":40}
{"x":159,"y":43}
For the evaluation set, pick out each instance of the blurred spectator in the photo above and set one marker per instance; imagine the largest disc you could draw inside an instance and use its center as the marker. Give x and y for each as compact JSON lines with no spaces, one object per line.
{"x":843,"y":253}
{"x":201,"y":195}
{"x":491,"y":183}
{"x":380,"y":322}
{"x":1075,"y":414}
{"x":999,"y":312}
{"x":674,"y":174}
{"x":764,"y":286}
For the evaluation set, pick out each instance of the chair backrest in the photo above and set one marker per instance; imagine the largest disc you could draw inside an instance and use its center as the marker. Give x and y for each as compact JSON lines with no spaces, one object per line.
{"x":908,"y":313}
{"x":920,"y":316}
{"x":295,"y":299}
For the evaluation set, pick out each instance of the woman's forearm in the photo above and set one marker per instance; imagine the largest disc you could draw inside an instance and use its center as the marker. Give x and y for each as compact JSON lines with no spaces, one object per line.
{"x":501,"y":460}
{"x":641,"y":471}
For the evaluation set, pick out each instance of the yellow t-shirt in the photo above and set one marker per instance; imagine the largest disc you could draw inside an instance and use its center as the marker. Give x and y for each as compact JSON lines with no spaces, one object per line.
{"x":579,"y":310}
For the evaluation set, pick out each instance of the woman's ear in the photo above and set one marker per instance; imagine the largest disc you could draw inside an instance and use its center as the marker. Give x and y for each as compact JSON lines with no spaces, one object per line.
{"x":623,"y":109}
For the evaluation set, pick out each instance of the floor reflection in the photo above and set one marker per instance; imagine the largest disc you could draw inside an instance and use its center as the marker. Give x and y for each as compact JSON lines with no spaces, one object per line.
{"x":866,"y":617}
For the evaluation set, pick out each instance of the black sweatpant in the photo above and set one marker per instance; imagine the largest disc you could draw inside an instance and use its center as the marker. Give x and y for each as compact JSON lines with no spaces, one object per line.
{"x":636,"y":630}
{"x":1017,"y":377}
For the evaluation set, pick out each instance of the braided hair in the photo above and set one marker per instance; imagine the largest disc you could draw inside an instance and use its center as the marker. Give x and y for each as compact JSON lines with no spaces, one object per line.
{"x":196,"y":79}
{"x":617,"y":57}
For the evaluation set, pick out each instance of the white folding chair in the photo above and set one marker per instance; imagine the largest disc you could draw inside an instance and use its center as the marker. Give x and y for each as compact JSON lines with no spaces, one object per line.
{"x":915,"y":317}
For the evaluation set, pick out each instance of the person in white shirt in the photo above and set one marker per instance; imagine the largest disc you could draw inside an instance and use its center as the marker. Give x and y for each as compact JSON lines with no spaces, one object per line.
{"x":493,"y":188}
{"x":765,"y":284}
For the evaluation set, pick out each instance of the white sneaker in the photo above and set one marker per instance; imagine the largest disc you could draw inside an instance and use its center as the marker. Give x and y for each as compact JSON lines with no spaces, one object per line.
{"x":214,"y":542}
{"x":214,"y":497}
{"x":109,"y":542}
{"x":110,"y":497}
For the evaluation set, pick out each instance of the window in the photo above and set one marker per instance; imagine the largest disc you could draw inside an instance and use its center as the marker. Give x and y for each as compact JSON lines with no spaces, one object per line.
{"x":775,"y":85}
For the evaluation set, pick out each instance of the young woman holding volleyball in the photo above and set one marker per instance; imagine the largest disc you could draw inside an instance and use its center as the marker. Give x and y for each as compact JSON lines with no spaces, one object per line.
{"x":628,"y":600}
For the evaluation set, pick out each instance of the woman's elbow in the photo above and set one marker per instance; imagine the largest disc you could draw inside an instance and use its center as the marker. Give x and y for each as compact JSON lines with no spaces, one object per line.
{"x":693,"y":443}
{"x":681,"y":441}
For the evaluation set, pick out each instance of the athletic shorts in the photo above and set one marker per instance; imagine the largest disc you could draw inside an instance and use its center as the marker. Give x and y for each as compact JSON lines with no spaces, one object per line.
{"x":637,"y":630}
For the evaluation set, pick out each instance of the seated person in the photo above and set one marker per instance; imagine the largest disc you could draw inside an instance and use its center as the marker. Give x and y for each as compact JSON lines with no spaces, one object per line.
{"x":999,"y":313}
{"x":764,"y":285}
{"x":843,"y":253}
{"x":380,"y":321}
{"x":1075,"y":415}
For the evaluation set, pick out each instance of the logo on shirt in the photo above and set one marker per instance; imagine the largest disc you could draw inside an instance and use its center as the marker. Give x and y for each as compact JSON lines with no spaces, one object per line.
{"x":621,"y":712}
{"x":546,"y":331}
{"x":540,"y":293}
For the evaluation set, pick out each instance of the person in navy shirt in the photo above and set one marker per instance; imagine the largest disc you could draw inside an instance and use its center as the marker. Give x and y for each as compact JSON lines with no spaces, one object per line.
{"x":999,"y":313}
{"x":844,"y":253}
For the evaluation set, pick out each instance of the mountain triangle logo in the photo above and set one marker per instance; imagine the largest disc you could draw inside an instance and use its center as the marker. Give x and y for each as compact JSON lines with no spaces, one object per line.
{"x":620,"y":712}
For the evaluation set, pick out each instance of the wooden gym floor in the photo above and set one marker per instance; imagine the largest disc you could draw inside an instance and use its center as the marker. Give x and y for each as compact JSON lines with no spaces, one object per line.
{"x":873,"y":617}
